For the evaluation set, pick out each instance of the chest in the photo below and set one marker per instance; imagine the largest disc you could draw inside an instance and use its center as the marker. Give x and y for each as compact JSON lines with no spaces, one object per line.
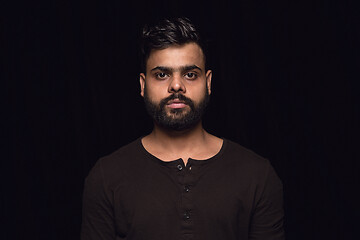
{"x":181,"y":198}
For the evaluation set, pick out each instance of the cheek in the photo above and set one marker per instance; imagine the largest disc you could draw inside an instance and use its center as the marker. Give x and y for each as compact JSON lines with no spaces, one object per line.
{"x":200,"y":91}
{"x":154,"y":93}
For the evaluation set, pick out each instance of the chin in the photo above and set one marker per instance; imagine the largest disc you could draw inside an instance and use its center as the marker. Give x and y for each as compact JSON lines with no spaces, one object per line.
{"x":179,"y":110}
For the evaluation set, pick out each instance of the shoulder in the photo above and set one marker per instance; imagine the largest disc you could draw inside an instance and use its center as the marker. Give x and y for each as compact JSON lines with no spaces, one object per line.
{"x":123,"y":155}
{"x":120,"y":161}
{"x":249,"y":168}
{"x":242,"y":155}
{"x":245,"y":161}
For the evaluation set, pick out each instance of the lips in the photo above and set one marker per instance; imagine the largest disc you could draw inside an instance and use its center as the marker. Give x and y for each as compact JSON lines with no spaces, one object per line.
{"x":176,"y":103}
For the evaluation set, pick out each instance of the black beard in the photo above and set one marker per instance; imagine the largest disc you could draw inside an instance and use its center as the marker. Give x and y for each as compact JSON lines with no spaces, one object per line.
{"x":180,"y":118}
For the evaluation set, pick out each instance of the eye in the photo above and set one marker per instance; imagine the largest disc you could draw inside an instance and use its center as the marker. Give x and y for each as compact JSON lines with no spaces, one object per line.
{"x":191,"y":75}
{"x":161,"y":75}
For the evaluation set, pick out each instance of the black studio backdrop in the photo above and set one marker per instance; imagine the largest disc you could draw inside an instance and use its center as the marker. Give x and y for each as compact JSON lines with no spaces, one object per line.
{"x":284,"y":85}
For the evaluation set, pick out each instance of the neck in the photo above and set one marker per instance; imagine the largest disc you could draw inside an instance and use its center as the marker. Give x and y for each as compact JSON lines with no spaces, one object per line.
{"x":169,"y":145}
{"x":185,"y":139}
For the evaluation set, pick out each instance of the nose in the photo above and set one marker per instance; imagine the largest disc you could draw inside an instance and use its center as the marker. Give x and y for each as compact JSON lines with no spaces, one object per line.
{"x":176,"y":84}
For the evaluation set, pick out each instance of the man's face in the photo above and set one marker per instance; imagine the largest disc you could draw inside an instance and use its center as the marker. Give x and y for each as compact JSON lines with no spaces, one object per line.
{"x":176,"y":87}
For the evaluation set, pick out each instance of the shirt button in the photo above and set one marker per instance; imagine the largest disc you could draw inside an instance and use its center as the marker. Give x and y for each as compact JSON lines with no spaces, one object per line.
{"x":179,"y":167}
{"x":187,"y":188}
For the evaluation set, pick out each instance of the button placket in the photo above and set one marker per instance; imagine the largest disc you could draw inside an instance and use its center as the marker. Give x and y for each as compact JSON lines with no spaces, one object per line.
{"x":187,"y":215}
{"x":179,"y":167}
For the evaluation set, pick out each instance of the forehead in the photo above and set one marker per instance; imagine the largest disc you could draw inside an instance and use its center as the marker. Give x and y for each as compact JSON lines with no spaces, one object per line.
{"x":176,"y":56}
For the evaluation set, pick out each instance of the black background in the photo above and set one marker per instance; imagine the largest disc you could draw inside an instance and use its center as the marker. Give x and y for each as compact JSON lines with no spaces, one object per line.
{"x":284,"y":85}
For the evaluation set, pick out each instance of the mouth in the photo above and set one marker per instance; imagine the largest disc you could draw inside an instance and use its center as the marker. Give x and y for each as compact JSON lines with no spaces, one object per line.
{"x":176,"y":103}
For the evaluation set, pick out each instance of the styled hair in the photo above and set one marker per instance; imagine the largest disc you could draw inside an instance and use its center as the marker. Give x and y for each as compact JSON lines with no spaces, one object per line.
{"x":167,"y":32}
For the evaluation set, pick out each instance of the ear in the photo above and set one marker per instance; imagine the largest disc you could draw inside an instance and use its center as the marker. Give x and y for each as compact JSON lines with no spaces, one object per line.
{"x":142,"y":84}
{"x":208,"y":80}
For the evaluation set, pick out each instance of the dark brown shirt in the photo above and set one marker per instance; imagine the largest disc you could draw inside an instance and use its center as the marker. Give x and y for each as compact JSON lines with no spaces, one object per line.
{"x":133,"y":195}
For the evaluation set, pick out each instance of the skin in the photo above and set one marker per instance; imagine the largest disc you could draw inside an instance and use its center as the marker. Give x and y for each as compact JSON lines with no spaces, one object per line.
{"x":178,"y":69}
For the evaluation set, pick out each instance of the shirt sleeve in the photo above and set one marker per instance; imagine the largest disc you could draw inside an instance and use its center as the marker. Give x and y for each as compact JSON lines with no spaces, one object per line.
{"x":267,"y":219}
{"x":98,"y":214}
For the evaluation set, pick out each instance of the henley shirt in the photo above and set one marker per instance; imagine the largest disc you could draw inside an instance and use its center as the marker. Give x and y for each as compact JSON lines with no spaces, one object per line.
{"x":133,"y":195}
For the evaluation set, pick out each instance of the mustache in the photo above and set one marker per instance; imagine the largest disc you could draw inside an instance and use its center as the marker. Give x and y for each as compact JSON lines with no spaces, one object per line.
{"x":179,"y":96}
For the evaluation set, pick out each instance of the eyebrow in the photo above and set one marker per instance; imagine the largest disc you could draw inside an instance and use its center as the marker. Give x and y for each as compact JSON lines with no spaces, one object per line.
{"x":182,"y":68}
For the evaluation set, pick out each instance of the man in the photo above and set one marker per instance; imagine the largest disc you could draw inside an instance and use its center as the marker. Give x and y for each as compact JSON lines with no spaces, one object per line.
{"x":180,"y":182}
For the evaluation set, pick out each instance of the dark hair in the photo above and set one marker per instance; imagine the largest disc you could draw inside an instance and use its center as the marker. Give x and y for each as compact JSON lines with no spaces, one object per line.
{"x":167,"y":32}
